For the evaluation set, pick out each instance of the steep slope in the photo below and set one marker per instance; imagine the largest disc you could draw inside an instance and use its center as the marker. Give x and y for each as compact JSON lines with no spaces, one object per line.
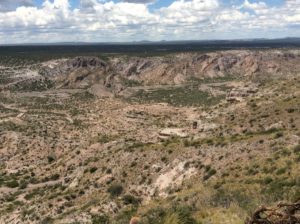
{"x":172,"y":69}
{"x":117,"y":73}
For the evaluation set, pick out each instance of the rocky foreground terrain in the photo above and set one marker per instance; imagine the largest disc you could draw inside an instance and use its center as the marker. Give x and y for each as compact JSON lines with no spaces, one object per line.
{"x":181,"y":138}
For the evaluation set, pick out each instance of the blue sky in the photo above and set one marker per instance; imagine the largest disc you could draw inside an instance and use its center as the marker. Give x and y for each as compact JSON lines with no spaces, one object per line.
{"x":132,"y":20}
{"x":164,"y":3}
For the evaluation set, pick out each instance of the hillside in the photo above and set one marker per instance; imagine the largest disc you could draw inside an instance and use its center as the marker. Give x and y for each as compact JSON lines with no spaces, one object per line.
{"x":177,"y":138}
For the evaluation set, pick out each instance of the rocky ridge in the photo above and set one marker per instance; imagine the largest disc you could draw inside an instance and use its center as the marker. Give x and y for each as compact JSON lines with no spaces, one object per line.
{"x":173,"y":69}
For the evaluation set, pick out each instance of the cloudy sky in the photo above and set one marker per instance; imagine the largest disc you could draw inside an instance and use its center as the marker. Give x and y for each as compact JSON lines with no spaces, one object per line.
{"x":35,"y":21}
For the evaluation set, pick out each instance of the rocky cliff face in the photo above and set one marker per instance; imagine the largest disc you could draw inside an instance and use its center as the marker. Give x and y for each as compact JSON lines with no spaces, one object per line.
{"x":118,"y":72}
{"x":179,"y":68}
{"x":174,"y":69}
{"x":75,"y":73}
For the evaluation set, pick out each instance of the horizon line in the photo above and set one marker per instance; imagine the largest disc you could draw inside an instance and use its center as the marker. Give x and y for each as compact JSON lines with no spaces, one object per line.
{"x":144,"y":41}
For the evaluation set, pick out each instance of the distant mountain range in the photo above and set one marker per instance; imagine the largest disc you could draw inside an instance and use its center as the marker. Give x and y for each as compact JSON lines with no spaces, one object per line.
{"x":166,"y":42}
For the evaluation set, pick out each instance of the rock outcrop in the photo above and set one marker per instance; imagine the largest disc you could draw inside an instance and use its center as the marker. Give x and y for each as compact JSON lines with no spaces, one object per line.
{"x":175,"y":69}
{"x":237,"y":94}
{"x":75,"y":73}
{"x":117,"y":73}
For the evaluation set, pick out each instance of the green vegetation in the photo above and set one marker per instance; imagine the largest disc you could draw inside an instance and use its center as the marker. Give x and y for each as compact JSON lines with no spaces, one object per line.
{"x":103,"y":138}
{"x":39,"y":192}
{"x":297,"y":149}
{"x":131,"y":83}
{"x":129,"y":199}
{"x":93,"y":169}
{"x":175,"y":214}
{"x":226,"y":78}
{"x":209,"y":173}
{"x":115,"y":190}
{"x":177,"y":96}
{"x":101,"y":219}
{"x":12,"y":184}
{"x":34,"y":86}
{"x":83,"y":96}
{"x":124,"y":216}
{"x":51,"y":158}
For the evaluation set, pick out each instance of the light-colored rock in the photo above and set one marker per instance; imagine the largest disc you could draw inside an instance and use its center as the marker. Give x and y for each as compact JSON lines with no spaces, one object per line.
{"x":172,"y":132}
{"x":173,"y":177}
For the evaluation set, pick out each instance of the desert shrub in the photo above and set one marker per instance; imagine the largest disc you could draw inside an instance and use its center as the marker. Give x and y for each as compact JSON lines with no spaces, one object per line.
{"x":115,"y":190}
{"x":77,"y":122}
{"x":252,"y":171}
{"x":279,"y":189}
{"x":210,"y":141}
{"x":83,"y":96}
{"x":47,"y":220}
{"x":209,"y":174}
{"x":285,"y":152}
{"x":100,"y":219}
{"x":171,"y":215}
{"x":51,"y":158}
{"x":297,"y":159}
{"x":132,"y":83}
{"x":135,"y":145}
{"x":129,"y":199}
{"x":33,"y":180}
{"x":278,"y":135}
{"x":155,"y":215}
{"x":55,"y":176}
{"x":23,"y":184}
{"x":207,"y":168}
{"x":12,"y":184}
{"x":93,"y":169}
{"x":187,"y":165}
{"x":32,"y":194}
{"x":133,"y":164}
{"x":180,"y":215}
{"x":186,"y":143}
{"x":74,"y":111}
{"x":125,"y":216}
{"x":225,"y":197}
{"x":296,"y":149}
{"x":212,"y":172}
{"x":281,"y":171}
{"x":172,"y":219}
{"x":104,"y":138}
{"x":253,"y":105}
{"x":267,"y":180}
{"x":164,"y":159}
{"x":290,"y":110}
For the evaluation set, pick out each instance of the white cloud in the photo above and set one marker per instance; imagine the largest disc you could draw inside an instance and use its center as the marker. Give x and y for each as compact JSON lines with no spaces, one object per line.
{"x":96,"y":20}
{"x":256,"y":6}
{"x":188,"y":12}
